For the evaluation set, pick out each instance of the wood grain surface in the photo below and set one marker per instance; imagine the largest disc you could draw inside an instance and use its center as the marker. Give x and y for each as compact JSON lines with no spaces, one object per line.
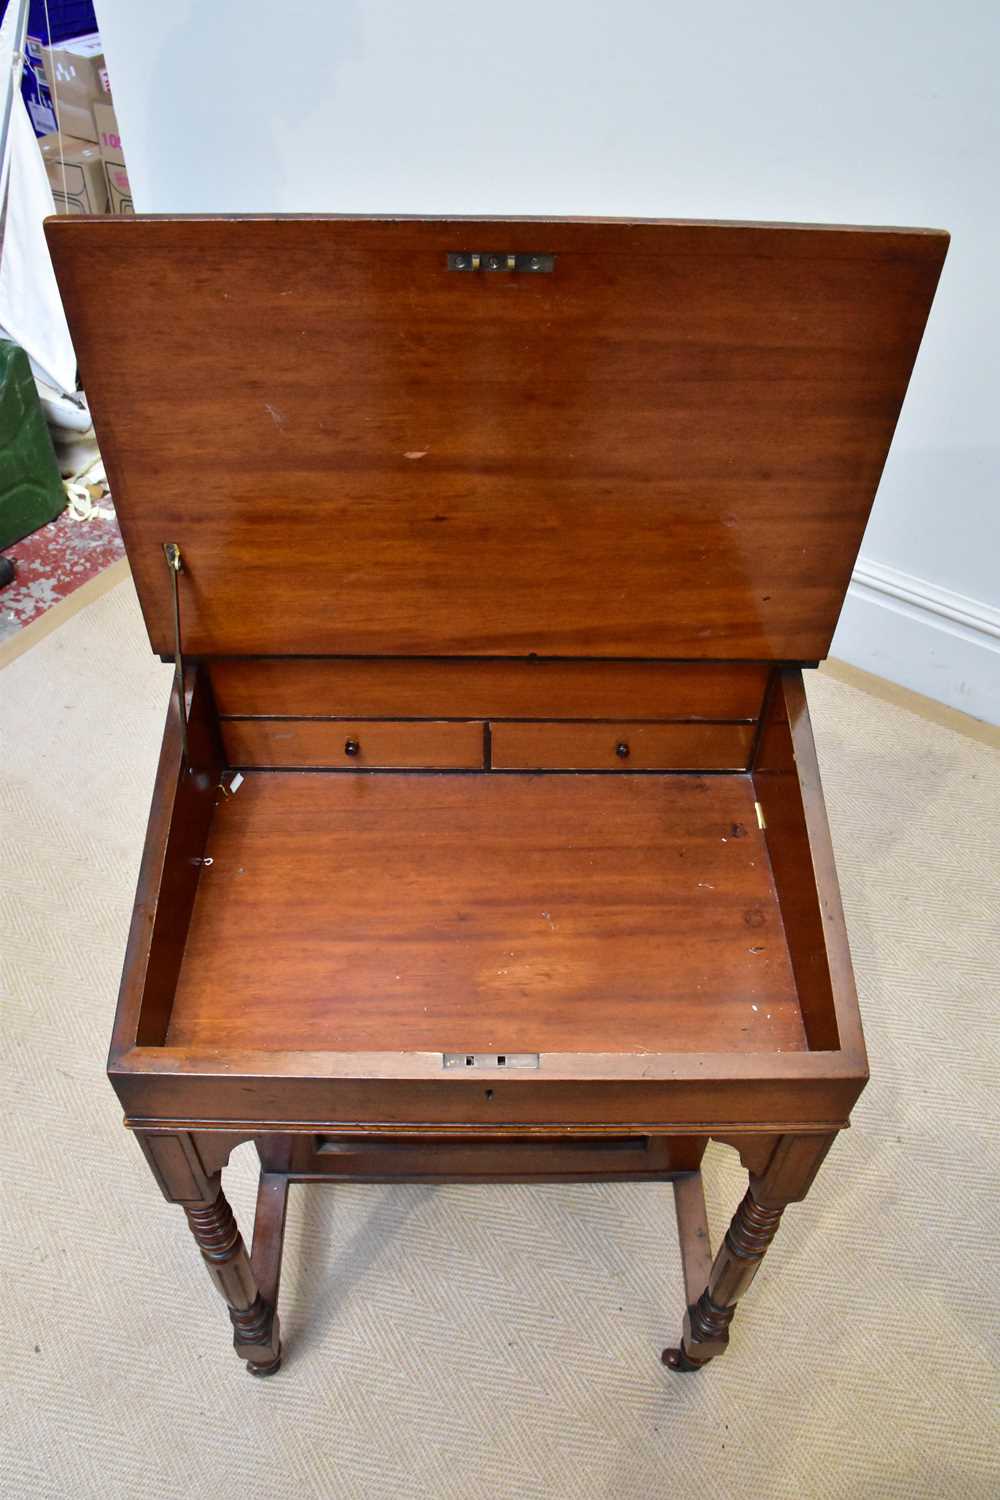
{"x":487,"y":914}
{"x":362,"y":687}
{"x":666,"y":448}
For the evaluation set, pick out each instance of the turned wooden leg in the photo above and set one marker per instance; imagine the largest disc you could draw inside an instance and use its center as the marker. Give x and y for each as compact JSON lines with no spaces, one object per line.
{"x":178,"y":1160}
{"x":256,"y":1331}
{"x":706,"y":1323}
{"x":787,"y":1178}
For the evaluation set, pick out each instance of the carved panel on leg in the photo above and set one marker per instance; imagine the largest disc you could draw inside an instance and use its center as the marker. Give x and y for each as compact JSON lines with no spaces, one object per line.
{"x":215,"y":1147}
{"x":790,"y":1172}
{"x":754,"y":1151}
{"x":180,"y":1173}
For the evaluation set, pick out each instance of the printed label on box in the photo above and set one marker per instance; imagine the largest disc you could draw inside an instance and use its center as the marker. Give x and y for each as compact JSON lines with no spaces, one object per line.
{"x":118,"y":188}
{"x":108,"y":137}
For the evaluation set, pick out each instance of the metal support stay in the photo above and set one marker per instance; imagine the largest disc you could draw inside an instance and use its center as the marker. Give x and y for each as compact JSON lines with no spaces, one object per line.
{"x":175,"y":564}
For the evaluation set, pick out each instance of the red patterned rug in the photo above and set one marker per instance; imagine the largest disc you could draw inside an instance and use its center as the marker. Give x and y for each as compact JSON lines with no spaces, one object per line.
{"x":54,"y":561}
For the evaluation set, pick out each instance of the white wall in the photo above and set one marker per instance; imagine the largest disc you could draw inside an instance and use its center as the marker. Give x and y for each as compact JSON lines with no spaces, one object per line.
{"x":859,"y":112}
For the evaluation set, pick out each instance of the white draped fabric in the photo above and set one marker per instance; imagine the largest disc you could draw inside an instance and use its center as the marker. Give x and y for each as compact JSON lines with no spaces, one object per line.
{"x":31,"y":311}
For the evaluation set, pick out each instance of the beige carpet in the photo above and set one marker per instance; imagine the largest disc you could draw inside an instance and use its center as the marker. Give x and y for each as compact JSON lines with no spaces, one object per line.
{"x":503,"y":1342}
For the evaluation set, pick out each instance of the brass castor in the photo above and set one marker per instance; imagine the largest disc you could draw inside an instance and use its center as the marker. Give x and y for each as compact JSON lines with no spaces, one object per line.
{"x":677,"y":1360}
{"x":271,"y":1369}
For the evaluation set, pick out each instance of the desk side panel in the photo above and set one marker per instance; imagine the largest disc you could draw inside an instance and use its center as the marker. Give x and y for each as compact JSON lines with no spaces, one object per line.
{"x":180,"y":815}
{"x":787,"y":783}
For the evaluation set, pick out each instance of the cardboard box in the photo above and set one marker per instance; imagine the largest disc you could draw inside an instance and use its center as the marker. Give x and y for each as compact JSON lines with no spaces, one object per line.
{"x":110,"y":146}
{"x":77,"y":79}
{"x":108,"y":139}
{"x":76,"y":174}
{"x":118,"y":189}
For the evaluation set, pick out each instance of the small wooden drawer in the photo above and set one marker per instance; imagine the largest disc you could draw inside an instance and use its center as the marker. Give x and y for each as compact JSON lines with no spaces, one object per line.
{"x":621,"y":747}
{"x":495,"y":1158}
{"x":353,"y":745}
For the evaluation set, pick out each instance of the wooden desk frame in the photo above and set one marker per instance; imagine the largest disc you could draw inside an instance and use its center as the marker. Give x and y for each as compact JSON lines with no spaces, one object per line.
{"x":579,"y":1117}
{"x":495,"y":549}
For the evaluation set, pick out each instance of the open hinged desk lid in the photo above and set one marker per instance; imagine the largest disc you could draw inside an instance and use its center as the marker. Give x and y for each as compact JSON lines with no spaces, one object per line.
{"x":642,"y":440}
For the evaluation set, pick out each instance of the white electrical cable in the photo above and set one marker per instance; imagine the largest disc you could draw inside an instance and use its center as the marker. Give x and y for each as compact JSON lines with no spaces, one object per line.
{"x":80,"y":504}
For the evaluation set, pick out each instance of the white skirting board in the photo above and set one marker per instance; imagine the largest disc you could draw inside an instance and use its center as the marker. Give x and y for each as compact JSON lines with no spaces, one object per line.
{"x":922,"y":637}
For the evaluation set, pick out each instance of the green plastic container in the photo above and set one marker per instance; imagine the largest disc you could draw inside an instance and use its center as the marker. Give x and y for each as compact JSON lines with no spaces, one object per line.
{"x":31,"y":491}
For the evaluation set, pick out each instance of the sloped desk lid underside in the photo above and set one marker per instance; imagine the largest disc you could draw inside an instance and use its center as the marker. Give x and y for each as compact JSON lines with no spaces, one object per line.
{"x":666,"y":447}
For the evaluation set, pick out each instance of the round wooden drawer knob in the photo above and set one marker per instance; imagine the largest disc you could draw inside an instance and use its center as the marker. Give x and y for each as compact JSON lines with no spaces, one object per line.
{"x":622,"y":750}
{"x":352,"y":747}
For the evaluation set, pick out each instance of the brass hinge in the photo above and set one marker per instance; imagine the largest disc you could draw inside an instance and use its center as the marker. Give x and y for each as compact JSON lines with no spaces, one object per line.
{"x":175,"y":565}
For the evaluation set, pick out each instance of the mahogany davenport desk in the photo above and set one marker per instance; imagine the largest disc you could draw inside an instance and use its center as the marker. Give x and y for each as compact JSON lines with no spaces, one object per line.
{"x":487,"y":841}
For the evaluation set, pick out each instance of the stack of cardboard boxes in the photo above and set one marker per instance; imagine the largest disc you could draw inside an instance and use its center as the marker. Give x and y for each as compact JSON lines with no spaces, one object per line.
{"x":83,"y":155}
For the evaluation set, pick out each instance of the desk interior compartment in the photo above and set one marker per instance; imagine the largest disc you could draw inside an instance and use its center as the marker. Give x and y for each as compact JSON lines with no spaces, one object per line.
{"x":488,"y":913}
